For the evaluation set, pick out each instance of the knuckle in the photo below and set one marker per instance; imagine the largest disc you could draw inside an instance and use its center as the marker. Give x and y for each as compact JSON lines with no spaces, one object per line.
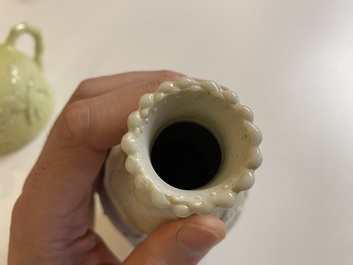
{"x":168,"y":74}
{"x":74,"y":121}
{"x":152,"y":85}
{"x":150,"y":257}
{"x":84,"y":89}
{"x":16,"y":211}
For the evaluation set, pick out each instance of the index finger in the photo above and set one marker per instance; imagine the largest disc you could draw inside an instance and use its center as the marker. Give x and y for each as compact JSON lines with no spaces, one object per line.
{"x":99,"y":85}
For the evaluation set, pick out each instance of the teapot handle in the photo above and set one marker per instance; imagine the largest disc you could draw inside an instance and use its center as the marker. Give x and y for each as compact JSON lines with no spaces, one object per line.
{"x":34,"y":32}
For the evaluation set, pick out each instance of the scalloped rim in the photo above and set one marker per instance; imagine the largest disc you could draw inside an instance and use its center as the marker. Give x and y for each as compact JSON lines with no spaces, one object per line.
{"x":183,"y":205}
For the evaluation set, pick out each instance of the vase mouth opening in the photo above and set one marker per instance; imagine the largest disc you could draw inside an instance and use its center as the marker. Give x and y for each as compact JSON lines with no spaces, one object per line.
{"x":194,"y":141}
{"x":186,"y":154}
{"x":187,"y":129}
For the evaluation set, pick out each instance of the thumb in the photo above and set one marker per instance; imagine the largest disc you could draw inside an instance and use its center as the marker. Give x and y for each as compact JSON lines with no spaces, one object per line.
{"x":184,"y":241}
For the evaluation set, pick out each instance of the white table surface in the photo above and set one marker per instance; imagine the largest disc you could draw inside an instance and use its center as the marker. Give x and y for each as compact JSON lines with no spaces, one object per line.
{"x":290,"y":61}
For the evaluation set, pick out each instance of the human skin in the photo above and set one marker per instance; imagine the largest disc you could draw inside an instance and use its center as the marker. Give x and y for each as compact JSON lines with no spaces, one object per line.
{"x":52,"y":218}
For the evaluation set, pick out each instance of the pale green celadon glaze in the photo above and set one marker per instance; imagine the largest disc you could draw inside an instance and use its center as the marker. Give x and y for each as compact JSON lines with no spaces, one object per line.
{"x":26,"y":100}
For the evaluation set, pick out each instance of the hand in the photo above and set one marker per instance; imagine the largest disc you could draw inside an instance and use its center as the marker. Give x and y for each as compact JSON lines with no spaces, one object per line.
{"x":52,"y":219}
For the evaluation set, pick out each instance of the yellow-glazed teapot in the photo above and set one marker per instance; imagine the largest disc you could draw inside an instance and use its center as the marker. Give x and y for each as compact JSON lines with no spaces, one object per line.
{"x":26,"y":100}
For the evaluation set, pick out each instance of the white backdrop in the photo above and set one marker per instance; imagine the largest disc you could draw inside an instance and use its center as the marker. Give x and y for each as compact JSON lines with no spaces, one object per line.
{"x":290,"y":61}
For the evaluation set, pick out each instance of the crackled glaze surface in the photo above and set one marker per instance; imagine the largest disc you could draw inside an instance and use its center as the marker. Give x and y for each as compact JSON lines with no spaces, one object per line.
{"x":136,"y":193}
{"x":26,"y":101}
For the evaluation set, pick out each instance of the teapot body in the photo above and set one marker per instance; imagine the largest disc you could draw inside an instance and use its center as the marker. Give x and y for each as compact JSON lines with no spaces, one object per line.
{"x":26,"y":100}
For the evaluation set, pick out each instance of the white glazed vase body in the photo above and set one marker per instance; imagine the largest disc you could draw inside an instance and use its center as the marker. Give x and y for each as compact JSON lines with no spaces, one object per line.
{"x":191,"y":148}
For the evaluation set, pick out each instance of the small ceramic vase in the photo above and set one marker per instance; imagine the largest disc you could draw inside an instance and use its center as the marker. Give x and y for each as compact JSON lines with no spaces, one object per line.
{"x":26,"y":100}
{"x":191,"y":148}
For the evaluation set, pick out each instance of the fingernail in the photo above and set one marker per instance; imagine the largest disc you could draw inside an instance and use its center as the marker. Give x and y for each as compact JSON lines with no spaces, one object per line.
{"x":197,"y":240}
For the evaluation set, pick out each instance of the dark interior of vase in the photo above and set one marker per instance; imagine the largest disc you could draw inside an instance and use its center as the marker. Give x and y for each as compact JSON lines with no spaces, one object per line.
{"x":186,"y":155}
